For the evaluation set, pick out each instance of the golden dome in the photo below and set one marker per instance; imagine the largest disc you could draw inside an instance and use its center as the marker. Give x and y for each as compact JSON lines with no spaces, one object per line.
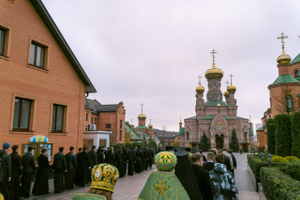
{"x":226,"y":93}
{"x":250,"y":123}
{"x":150,"y":125}
{"x":231,"y":88}
{"x":283,"y":58}
{"x":213,"y":72}
{"x":200,"y":89}
{"x":142,"y":116}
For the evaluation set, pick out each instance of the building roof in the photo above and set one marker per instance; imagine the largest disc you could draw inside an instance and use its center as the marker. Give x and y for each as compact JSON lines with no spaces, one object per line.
{"x":181,"y":131}
{"x":133,"y":135}
{"x":261,"y":128}
{"x":215,"y":103}
{"x":141,"y":127}
{"x":165,"y":134}
{"x":251,"y":131}
{"x":47,"y":19}
{"x":210,"y":117}
{"x":296,"y":59}
{"x":107,"y":107}
{"x":285,"y":78}
{"x":90,"y":105}
{"x":191,"y":118}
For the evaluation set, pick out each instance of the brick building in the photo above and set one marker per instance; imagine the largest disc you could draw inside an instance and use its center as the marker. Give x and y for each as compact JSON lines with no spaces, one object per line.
{"x":284,"y":91}
{"x":105,"y":117}
{"x":43,"y":85}
{"x":215,"y":117}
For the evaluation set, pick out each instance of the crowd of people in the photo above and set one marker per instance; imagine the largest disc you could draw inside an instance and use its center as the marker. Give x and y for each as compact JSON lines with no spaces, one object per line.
{"x":69,"y":169}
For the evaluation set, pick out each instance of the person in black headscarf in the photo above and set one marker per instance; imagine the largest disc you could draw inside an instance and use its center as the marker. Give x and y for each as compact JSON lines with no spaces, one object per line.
{"x":139,"y":155}
{"x":60,"y":168}
{"x":120,"y":162}
{"x":77,"y":170}
{"x":93,"y":160}
{"x":185,"y":174}
{"x":125,"y":158}
{"x":100,"y":156}
{"x":41,"y":184}
{"x":16,"y":163}
{"x":71,"y":165}
{"x":110,"y":157}
{"x":131,"y":160}
{"x":83,"y":166}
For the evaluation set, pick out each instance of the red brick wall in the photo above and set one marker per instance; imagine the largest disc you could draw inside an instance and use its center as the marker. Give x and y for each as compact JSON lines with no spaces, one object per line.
{"x":59,"y":84}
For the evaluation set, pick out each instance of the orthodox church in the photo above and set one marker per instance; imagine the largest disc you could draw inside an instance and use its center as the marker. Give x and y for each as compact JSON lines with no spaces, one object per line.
{"x":216,"y":117}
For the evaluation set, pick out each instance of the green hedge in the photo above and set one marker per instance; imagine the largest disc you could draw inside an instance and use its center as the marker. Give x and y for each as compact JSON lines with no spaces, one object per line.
{"x":295,"y":124}
{"x":271,"y":135}
{"x":283,"y":138}
{"x":293,"y":169}
{"x":255,"y":164}
{"x":279,"y":186}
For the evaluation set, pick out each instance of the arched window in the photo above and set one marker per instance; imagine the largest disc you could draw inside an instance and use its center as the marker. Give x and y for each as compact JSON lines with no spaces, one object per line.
{"x":187,"y":135}
{"x":297,"y":73}
{"x":289,"y":103}
{"x":214,"y":86}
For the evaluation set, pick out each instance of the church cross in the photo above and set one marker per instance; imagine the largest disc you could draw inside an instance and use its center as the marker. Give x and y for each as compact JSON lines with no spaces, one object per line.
{"x":199,"y":79}
{"x":213,"y":54}
{"x":231,"y":77}
{"x":282,"y":37}
{"x":227,"y":82}
{"x":142,"y":105}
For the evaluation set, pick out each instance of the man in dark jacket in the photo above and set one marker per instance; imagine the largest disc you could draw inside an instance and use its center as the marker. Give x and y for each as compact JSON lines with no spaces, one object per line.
{"x":16,"y":162}
{"x":120,"y":162}
{"x":76,"y":170}
{"x":131,"y":160}
{"x":202,"y":177}
{"x":100,"y":156}
{"x":93,"y":160}
{"x":60,"y":168}
{"x":83,"y":167}
{"x":222,"y":180}
{"x":139,"y":156}
{"x":125,"y":158}
{"x":6,"y":174}
{"x":71,"y":165}
{"x":110,"y":157}
{"x":28,"y":162}
{"x":210,"y":162}
{"x":147,"y":157}
{"x":151,"y":153}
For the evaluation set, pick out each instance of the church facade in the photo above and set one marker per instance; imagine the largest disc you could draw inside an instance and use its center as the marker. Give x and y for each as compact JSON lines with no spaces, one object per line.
{"x":217,"y":116}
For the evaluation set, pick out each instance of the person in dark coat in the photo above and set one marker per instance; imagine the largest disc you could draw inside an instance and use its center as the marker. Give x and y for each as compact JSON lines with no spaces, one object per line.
{"x":151,"y":158}
{"x":83,"y":167}
{"x":233,"y":161}
{"x":16,"y":163}
{"x":6,"y":175}
{"x":76,"y":170}
{"x":147,"y":157}
{"x":125,"y":158}
{"x":110,"y":157}
{"x":185,"y":174}
{"x":210,"y":162}
{"x":131,"y":160}
{"x":41,"y":184}
{"x":28,"y":162}
{"x":93,"y":160}
{"x":202,"y":177}
{"x":71,"y":166}
{"x":120,"y":162}
{"x":143,"y":163}
{"x":60,"y":168}
{"x":139,"y":156}
{"x":100,"y":156}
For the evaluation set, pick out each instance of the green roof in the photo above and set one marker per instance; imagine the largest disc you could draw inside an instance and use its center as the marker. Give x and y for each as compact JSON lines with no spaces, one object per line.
{"x":215,"y":103}
{"x":145,"y":136}
{"x":261,"y":128}
{"x":181,"y":131}
{"x":285,"y":78}
{"x":296,"y":59}
{"x":191,"y":118}
{"x":298,"y":78}
{"x":250,"y":131}
{"x":141,"y":127}
{"x":133,"y":135}
{"x":240,"y":117}
{"x":210,"y":117}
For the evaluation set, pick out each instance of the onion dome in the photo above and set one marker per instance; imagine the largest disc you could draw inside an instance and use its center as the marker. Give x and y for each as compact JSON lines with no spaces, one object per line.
{"x":231,"y":88}
{"x":250,"y":123}
{"x":283,"y":58}
{"x":219,"y":105}
{"x":142,"y":116}
{"x":180,"y":123}
{"x":200,"y":89}
{"x":226,"y":93}
{"x":213,"y":72}
{"x":150,"y":125}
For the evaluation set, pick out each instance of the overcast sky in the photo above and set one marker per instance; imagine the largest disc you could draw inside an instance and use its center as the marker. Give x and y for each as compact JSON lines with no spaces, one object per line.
{"x":153,"y":51}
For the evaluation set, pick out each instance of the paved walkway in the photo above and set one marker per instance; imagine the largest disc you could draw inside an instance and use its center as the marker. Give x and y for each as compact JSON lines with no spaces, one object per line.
{"x":129,"y":187}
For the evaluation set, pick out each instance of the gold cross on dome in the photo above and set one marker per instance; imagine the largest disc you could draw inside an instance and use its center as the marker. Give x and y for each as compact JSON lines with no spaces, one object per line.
{"x":282,"y":37}
{"x":227,"y":82}
{"x":142,"y":105}
{"x":199,"y":79}
{"x":213,"y":54}
{"x":231,"y":77}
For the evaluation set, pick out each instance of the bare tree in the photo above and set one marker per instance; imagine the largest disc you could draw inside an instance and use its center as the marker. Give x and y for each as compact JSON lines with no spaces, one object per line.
{"x":285,"y":101}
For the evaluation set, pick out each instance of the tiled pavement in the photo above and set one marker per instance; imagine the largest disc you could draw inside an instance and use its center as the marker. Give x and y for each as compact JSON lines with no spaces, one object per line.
{"x":129,"y":187}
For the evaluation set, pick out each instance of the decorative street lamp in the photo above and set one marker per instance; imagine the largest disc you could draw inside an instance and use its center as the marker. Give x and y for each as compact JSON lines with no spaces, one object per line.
{"x":262,"y":156}
{"x":269,"y":155}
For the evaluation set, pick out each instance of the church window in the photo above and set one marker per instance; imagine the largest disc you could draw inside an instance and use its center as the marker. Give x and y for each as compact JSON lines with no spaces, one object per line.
{"x":187,"y":135}
{"x":219,"y":125}
{"x":289,"y":103}
{"x":214,"y":86}
{"x":297,"y":74}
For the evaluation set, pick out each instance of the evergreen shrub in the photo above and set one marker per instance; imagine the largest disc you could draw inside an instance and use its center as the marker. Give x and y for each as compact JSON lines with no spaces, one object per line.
{"x":279,"y":186}
{"x":295,"y":126}
{"x":279,"y":159}
{"x":271,"y":135}
{"x":291,"y":158}
{"x":283,"y":138}
{"x":234,"y":143}
{"x":293,"y":169}
{"x":204,"y":143}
